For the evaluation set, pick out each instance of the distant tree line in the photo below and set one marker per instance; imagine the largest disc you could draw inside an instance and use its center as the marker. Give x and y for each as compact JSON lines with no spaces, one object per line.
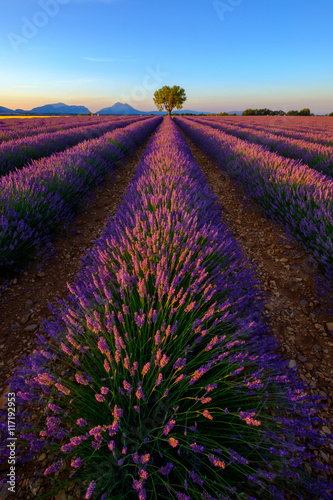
{"x":266,"y":111}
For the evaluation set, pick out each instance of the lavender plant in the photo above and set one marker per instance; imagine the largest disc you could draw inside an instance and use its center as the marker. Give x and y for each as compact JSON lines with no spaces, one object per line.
{"x":289,"y":191}
{"x":158,"y":377}
{"x":16,"y":153}
{"x":34,"y":200}
{"x":317,"y":156}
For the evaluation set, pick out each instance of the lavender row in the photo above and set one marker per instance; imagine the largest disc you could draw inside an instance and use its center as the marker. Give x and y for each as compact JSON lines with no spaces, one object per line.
{"x":34,"y":200}
{"x":295,"y":132}
{"x":292,"y":193}
{"x":316,"y":156}
{"x":48,"y":125}
{"x":15,"y":154}
{"x":160,"y":378}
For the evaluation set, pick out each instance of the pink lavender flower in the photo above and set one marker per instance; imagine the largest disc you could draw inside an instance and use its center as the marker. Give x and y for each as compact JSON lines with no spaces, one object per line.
{"x":180,"y":378}
{"x":100,"y":398}
{"x":248,"y":417}
{"x":179,"y":364}
{"x":106,"y":365}
{"x":104,"y":390}
{"x":216,"y":461}
{"x":44,"y":379}
{"x":210,"y":387}
{"x":90,"y":490}
{"x":145,"y":458}
{"x":103,"y":346}
{"x":143,"y":474}
{"x":54,"y":467}
{"x":164,"y":361}
{"x":145,"y":369}
{"x":66,"y":349}
{"x":170,"y":425}
{"x":54,"y":408}
{"x":173,"y":442}
{"x":139,"y":393}
{"x":81,"y":422}
{"x":159,"y":379}
{"x":80,"y":379}
{"x":206,"y":414}
{"x":197,"y":448}
{"x":127,"y":387}
{"x":111,"y":445}
{"x":76,"y":463}
{"x":67,"y":447}
{"x":77,"y":440}
{"x":62,"y":389}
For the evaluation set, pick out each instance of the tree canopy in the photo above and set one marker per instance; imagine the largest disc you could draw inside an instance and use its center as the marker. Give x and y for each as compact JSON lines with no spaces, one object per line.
{"x":169,"y":98}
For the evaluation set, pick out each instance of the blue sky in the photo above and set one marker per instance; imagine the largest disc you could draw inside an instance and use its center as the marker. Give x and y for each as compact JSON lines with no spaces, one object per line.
{"x":227,"y":54}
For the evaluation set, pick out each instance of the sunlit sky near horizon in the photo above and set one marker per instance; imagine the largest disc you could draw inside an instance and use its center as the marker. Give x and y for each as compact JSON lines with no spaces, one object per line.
{"x":228,"y":55}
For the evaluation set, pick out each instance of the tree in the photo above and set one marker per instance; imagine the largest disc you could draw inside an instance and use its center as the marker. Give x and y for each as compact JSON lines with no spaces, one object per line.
{"x":169,"y":98}
{"x":305,"y":112}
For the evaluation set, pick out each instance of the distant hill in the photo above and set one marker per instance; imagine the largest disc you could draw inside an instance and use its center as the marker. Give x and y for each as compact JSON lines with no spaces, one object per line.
{"x":5,"y":111}
{"x":60,"y":108}
{"x":120,"y":109}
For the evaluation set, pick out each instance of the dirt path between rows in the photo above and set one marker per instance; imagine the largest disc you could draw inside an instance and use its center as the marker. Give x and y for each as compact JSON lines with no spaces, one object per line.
{"x":298,"y":315}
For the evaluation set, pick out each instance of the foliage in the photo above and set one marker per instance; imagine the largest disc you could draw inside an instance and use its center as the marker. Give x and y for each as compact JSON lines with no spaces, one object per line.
{"x":169,"y":98}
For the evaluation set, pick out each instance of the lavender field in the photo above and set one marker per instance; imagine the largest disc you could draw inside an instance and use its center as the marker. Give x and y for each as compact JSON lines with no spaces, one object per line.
{"x":158,"y":375}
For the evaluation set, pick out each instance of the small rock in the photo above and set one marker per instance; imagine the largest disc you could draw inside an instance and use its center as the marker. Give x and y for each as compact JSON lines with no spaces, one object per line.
{"x":41,"y":274}
{"x":60,"y":496}
{"x":303,"y":303}
{"x":326,"y":429}
{"x":316,"y":348}
{"x":28,"y":304}
{"x":42,"y":457}
{"x":3,"y":398}
{"x":292,"y":363}
{"x":301,"y":358}
{"x":329,"y":327}
{"x":35,"y":485}
{"x":318,"y":326}
{"x":325,"y":457}
{"x":308,"y":367}
{"x":31,"y":328}
{"x":14,"y":326}
{"x":25,"y":318}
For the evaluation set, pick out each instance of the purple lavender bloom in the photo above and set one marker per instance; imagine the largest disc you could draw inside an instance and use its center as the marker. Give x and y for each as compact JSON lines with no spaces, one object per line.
{"x":165,"y":471}
{"x":90,"y":490}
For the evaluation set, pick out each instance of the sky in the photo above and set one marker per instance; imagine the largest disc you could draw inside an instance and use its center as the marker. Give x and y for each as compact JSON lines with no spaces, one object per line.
{"x":228,"y":55}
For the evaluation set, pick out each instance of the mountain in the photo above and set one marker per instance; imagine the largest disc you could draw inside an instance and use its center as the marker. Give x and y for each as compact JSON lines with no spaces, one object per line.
{"x":121,"y":109}
{"x":126,"y":109}
{"x":60,"y":109}
{"x":5,"y":111}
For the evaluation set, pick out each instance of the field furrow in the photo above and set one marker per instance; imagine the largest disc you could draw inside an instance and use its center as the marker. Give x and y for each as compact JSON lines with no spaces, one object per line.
{"x":36,"y":199}
{"x":316,"y":156}
{"x":294,"y":194}
{"x":18,"y":153}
